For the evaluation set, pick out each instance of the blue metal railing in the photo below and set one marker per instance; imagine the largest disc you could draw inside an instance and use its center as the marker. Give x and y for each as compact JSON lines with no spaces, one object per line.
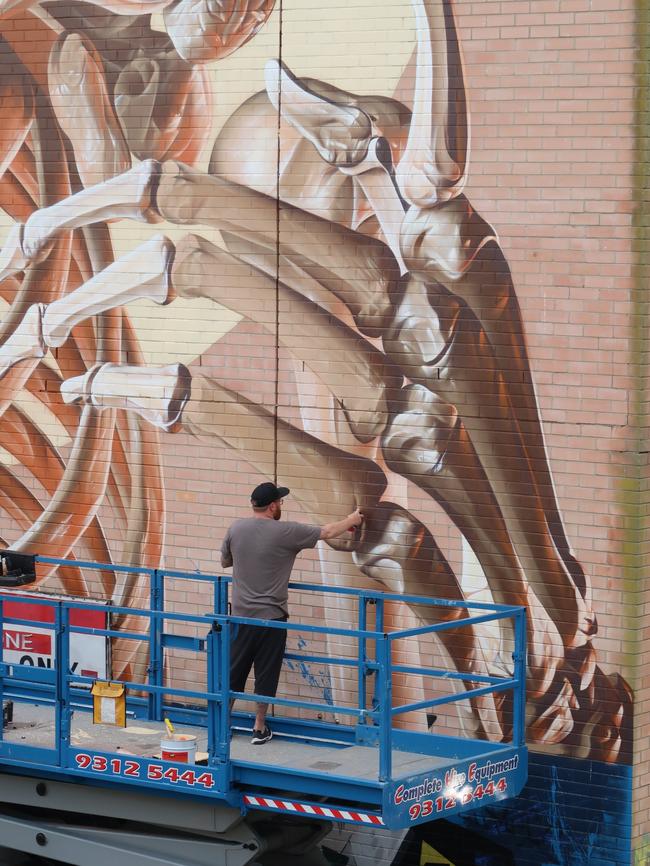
{"x":68,"y":691}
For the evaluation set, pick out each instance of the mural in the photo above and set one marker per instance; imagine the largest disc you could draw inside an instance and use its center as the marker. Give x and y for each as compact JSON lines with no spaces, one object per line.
{"x":345,"y":213}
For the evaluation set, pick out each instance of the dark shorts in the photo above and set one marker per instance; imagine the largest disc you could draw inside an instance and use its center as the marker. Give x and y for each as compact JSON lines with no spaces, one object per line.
{"x":262,"y":649}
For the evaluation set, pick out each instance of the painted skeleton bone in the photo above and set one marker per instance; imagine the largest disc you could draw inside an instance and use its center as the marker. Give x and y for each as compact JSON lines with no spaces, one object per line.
{"x":426,"y":281}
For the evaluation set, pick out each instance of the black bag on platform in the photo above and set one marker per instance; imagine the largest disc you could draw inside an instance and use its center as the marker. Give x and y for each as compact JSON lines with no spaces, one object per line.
{"x":17,"y":569}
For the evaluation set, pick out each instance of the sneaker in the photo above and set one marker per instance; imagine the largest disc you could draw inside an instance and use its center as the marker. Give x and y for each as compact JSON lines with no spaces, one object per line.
{"x":260,"y":737}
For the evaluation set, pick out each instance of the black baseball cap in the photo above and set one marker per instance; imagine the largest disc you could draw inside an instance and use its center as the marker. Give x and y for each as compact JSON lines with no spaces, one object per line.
{"x":266,"y":493}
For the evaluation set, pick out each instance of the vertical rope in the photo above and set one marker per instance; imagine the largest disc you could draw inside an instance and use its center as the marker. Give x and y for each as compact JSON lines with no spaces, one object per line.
{"x":277,"y":255}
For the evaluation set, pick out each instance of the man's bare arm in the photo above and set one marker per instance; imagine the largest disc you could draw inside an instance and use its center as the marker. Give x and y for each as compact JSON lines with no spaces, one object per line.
{"x":226,"y":555}
{"x":333,"y":530}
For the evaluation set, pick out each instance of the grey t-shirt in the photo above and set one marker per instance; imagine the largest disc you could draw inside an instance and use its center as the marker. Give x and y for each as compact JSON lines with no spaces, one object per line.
{"x":262,"y":553}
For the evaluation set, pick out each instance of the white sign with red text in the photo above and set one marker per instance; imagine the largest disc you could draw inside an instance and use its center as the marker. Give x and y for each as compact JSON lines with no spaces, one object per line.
{"x":34,"y":644}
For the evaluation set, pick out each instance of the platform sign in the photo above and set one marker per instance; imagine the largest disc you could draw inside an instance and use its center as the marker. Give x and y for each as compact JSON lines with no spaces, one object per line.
{"x":34,"y":644}
{"x":467,"y":784}
{"x":148,"y":772}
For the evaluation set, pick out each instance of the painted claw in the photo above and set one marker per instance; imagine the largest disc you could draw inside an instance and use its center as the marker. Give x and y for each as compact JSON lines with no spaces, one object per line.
{"x":340,"y":133}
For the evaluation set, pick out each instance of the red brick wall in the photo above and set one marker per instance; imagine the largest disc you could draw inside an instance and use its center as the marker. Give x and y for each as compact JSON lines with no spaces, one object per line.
{"x":432,"y":407}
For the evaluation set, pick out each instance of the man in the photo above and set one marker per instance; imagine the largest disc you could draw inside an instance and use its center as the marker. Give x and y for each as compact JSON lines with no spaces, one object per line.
{"x":262,"y":552}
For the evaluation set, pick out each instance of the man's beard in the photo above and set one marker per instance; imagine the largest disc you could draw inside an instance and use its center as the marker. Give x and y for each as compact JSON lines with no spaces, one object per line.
{"x":278,"y":513}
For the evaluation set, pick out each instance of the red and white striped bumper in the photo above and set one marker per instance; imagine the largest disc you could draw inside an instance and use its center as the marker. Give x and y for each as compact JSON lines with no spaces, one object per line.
{"x":307,"y":809}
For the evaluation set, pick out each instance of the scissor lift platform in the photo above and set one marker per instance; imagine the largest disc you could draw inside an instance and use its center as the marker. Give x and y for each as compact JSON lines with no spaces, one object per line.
{"x":367,"y":773}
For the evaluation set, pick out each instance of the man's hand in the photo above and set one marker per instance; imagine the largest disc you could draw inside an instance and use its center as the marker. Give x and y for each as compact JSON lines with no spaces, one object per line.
{"x":356,"y":519}
{"x":333,"y":530}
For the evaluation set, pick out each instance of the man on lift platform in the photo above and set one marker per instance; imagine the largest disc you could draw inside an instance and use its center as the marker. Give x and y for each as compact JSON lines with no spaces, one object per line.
{"x":262,"y":551}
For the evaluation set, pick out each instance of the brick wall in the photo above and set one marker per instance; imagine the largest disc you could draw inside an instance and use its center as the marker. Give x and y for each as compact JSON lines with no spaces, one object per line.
{"x":484,"y":405}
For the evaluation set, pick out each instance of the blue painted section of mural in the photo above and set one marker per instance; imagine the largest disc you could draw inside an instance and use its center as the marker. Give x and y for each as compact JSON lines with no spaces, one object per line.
{"x":319,"y":679}
{"x":571,"y":813}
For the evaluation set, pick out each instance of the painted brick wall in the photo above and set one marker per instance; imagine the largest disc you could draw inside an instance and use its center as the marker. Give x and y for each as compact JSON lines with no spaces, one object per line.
{"x":470,"y":373}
